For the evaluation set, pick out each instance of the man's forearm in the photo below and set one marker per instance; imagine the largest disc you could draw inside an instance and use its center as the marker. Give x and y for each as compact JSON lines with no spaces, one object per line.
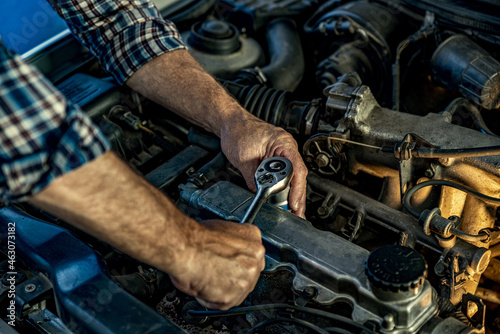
{"x":176,"y":81}
{"x":218,"y":262}
{"x":108,"y":200}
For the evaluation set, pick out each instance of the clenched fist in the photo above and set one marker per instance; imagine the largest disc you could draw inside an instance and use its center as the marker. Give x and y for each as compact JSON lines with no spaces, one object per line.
{"x":223,"y":264}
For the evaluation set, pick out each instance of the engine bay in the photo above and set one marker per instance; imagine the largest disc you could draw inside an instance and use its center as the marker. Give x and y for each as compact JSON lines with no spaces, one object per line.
{"x":395,"y":105}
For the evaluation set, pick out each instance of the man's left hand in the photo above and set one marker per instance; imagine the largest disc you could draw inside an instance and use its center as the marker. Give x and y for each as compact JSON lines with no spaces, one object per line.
{"x":247,"y":141}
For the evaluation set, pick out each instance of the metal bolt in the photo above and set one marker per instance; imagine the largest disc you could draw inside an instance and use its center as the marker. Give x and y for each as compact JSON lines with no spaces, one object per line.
{"x":429,"y":173}
{"x":30,"y":288}
{"x":388,"y":322}
{"x":310,"y":291}
{"x":440,"y":268}
{"x":322,"y":211}
{"x":480,"y":260}
{"x":322,"y":160}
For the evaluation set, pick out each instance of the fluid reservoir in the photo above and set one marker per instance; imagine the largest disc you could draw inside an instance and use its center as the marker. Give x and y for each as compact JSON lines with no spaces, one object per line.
{"x":220,"y":48}
{"x":395,"y":272}
{"x":466,"y":68}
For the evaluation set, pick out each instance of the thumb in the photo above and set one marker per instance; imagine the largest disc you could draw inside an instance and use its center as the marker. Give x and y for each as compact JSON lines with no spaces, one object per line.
{"x":250,"y":181}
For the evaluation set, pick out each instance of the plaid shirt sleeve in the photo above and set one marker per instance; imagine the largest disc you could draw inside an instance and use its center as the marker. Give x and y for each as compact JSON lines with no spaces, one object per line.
{"x":42,"y":135}
{"x":123,"y":35}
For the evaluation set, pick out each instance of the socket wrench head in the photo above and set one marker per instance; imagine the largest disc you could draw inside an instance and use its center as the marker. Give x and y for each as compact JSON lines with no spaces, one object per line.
{"x":273,"y":175}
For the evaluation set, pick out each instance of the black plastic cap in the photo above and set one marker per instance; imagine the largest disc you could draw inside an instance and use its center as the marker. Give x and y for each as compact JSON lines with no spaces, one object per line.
{"x":396,"y":268}
{"x":214,"y":37}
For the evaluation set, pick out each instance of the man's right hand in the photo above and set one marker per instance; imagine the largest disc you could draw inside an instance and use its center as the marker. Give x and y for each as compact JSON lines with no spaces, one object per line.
{"x":215,"y":261}
{"x":222,"y":264}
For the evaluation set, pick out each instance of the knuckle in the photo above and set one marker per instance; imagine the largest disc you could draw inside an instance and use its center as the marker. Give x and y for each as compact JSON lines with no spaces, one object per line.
{"x":244,"y":285}
{"x":303,"y":169}
{"x":261,"y":251}
{"x":225,"y":307}
{"x":256,"y":233}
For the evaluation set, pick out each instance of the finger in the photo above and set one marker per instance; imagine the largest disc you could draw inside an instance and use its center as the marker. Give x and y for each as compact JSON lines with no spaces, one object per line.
{"x":263,"y":263}
{"x":210,"y":305}
{"x":248,"y":173}
{"x":242,"y":231}
{"x":301,"y":211}
{"x":297,"y":196}
{"x":250,"y":181}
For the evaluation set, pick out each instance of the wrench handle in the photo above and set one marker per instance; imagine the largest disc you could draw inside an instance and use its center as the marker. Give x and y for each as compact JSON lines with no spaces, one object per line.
{"x":254,"y":208}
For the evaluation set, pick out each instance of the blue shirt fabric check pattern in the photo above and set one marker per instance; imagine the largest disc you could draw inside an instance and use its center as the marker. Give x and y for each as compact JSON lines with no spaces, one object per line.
{"x":42,"y":135}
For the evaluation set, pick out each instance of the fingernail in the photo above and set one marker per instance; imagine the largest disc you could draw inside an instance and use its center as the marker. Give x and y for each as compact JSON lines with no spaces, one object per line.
{"x":296,"y":206}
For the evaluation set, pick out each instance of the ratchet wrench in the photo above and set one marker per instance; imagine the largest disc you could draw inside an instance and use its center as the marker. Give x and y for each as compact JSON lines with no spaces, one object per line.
{"x":272,"y":176}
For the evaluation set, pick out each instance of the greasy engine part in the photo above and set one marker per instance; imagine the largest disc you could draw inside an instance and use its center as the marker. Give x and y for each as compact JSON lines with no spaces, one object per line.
{"x":220,"y":48}
{"x":333,"y":266}
{"x":286,"y":65}
{"x":368,"y":123}
{"x":254,"y":15}
{"x":465,"y":67}
{"x":364,"y":35}
{"x":278,"y":108}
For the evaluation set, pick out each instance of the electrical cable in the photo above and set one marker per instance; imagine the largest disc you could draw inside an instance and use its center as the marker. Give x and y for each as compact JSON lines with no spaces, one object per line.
{"x":408,"y":195}
{"x":469,"y":237}
{"x":380,"y":148}
{"x":295,"y":321}
{"x":397,"y":5}
{"x":324,"y":8}
{"x":461,"y":102}
{"x":142,"y":127}
{"x":273,"y":307}
{"x":482,"y":236}
{"x":396,"y":67}
{"x":396,"y":74}
{"x":459,"y":14}
{"x":433,"y":153}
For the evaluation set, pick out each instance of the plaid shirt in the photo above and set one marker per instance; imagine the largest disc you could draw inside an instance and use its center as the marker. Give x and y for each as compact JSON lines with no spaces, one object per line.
{"x":42,"y":135}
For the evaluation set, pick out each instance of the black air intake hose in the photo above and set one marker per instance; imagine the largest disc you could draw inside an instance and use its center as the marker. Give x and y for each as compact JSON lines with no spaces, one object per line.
{"x":286,"y":67}
{"x":277,"y":108}
{"x":266,"y":103}
{"x":287,"y":60}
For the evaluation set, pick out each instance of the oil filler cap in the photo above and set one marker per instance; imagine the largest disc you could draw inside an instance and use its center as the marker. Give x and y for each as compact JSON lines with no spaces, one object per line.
{"x":396,"y":269}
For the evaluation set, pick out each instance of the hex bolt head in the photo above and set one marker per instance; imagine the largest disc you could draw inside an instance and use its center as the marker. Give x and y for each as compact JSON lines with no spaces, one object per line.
{"x":311,"y":291}
{"x":322,"y":160}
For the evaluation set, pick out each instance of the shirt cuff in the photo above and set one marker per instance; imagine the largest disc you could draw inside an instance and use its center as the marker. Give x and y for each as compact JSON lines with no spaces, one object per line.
{"x":79,"y":141}
{"x":138,"y":44}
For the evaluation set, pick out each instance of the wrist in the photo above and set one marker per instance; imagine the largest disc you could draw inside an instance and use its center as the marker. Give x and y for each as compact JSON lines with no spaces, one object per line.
{"x":237,"y":122}
{"x":177,"y":248}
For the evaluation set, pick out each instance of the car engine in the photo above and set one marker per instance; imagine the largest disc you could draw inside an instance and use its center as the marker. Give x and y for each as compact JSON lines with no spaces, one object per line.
{"x":395,"y":105}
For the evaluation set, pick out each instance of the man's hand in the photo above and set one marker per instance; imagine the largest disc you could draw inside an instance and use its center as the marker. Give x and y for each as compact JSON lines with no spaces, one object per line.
{"x":223,"y":265}
{"x":177,"y":81}
{"x":218,"y":262}
{"x":246,"y":141}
